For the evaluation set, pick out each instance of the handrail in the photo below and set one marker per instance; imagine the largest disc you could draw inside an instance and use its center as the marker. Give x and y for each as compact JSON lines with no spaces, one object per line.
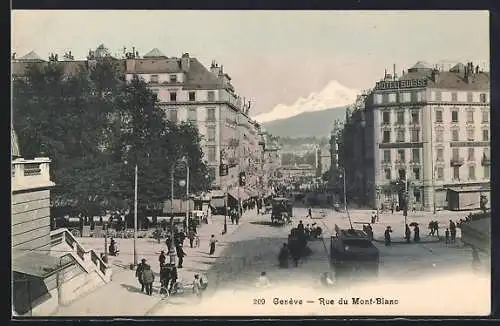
{"x":81,"y":251}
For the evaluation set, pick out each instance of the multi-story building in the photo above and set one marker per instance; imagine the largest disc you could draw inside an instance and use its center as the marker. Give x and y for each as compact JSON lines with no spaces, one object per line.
{"x":430,"y":127}
{"x":188,"y":91}
{"x":271,"y":161}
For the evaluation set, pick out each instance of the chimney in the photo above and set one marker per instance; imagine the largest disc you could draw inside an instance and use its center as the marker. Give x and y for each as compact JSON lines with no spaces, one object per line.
{"x":185,"y":62}
{"x":133,"y":50}
{"x":394,"y":71}
{"x":435,"y":76}
{"x":477,"y":69}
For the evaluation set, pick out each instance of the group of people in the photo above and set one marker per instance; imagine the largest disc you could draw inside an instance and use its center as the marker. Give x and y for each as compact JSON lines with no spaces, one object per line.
{"x":416,"y":233}
{"x":295,"y":247}
{"x":451,"y":233}
{"x":434,"y":228}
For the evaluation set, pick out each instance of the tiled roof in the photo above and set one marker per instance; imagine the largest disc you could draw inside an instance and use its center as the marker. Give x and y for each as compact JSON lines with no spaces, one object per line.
{"x":148,"y":66}
{"x":421,"y":65}
{"x":69,"y":67}
{"x":32,"y":56}
{"x":154,"y":53}
{"x":199,"y":77}
{"x":452,"y":80}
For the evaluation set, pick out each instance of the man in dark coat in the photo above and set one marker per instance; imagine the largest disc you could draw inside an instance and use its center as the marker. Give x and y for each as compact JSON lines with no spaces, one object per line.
{"x":173,"y":277}
{"x":387,"y":236}
{"x":295,"y":252}
{"x":162,"y":258}
{"x":138,"y":272}
{"x":180,"y":255}
{"x":168,"y":242}
{"x":407,"y":233}
{"x":148,"y":278}
{"x":416,"y":234}
{"x":453,"y":231}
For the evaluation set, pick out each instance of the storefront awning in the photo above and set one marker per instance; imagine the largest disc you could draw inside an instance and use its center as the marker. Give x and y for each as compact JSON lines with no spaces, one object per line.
{"x":241,"y":194}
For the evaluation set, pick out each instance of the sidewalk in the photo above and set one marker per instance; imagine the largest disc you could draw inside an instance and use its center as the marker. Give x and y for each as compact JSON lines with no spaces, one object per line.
{"x":122,"y":296}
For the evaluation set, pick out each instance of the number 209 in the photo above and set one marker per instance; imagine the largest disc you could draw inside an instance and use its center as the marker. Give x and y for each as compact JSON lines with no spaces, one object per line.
{"x":260,"y":301}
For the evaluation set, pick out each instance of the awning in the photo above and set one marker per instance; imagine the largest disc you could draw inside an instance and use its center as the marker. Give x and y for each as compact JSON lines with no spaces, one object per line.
{"x":241,"y":194}
{"x":38,"y":264}
{"x":217,"y":193}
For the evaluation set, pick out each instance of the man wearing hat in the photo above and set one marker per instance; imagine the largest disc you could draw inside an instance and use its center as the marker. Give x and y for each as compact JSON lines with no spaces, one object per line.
{"x":138,"y":272}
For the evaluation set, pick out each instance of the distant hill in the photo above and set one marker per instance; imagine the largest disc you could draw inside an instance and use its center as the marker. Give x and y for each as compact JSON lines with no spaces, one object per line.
{"x":310,"y":124}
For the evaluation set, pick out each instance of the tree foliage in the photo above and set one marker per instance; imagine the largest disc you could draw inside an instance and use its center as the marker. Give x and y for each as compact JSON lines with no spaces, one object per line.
{"x":96,"y":127}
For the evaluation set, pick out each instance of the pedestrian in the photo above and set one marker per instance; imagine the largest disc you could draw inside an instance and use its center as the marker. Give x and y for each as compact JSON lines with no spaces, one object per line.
{"x":191,"y":237}
{"x":387,"y":236}
{"x":431,"y":228}
{"x":283,"y":256}
{"x":416,"y":234}
{"x":263,"y":280}
{"x":138,"y":272}
{"x":453,"y":231}
{"x":392,"y":207}
{"x":148,"y":278}
{"x":212,"y":244}
{"x":164,"y":278}
{"x":168,"y":242}
{"x":374,"y":218}
{"x":436,"y":228}
{"x":197,"y":286}
{"x":162,"y":258}
{"x":173,"y":277}
{"x":180,"y":255}
{"x":407,"y":233}
{"x":309,"y":212}
{"x":447,"y":236}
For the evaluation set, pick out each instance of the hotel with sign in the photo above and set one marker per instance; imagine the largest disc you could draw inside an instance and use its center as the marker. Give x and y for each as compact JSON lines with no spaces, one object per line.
{"x":431,"y":128}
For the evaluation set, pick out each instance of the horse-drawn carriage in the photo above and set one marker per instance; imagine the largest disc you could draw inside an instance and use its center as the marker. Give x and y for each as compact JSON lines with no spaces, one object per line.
{"x":282,"y":210}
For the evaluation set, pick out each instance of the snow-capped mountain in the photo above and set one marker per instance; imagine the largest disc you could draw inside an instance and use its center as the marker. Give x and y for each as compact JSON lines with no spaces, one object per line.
{"x":332,"y":96}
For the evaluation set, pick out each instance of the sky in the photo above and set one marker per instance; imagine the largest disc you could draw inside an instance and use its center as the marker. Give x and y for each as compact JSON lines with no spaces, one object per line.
{"x":273,"y":57}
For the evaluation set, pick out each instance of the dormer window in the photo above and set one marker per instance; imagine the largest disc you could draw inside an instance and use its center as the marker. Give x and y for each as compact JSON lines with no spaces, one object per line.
{"x":154,"y":79}
{"x":173,"y":78}
{"x":192,"y":96}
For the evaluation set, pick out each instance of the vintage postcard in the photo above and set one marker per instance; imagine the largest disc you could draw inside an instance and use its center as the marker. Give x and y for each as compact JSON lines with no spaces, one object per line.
{"x":226,"y":163}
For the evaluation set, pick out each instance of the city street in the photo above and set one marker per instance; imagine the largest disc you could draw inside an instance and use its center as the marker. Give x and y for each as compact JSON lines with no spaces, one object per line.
{"x":254,"y":248}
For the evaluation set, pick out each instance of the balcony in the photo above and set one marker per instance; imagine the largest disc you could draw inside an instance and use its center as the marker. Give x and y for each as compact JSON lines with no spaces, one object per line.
{"x":30,"y":174}
{"x":485,"y":161}
{"x":456,"y":161}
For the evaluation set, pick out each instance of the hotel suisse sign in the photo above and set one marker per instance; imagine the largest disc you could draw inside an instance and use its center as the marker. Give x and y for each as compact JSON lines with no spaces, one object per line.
{"x":398,"y":84}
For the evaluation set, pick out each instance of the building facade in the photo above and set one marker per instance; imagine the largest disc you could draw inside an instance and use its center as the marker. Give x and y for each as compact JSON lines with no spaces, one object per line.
{"x":431,"y":128}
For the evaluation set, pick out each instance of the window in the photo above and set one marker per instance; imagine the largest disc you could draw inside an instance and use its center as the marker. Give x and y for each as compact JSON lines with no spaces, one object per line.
{"x":173,"y":97}
{"x":454,"y":97}
{"x":469,"y":97}
{"x":414,"y":117}
{"x":387,"y":156}
{"x":172,"y":115}
{"x":440,"y":155}
{"x":377,"y":99}
{"x":416,"y":173}
{"x":387,"y":172}
{"x":402,"y":174}
{"x":400,"y":136}
{"x":415,"y":96}
{"x":210,"y":96}
{"x":455,"y":153}
{"x":400,"y":118}
{"x":385,"y":98}
{"x":470,"y":154}
{"x":485,"y":116}
{"x":482,"y":98}
{"x":440,"y":173}
{"x":211,"y":133}
{"x":454,"y":116}
{"x":415,"y":154}
{"x":470,"y":134}
{"x":486,"y":135}
{"x":439,"y":135}
{"x":154,"y":79}
{"x":401,"y":155}
{"x":416,"y":194}
{"x":392,"y":97}
{"x":192,"y":96}
{"x":470,"y":116}
{"x":211,"y":154}
{"x":439,"y":96}
{"x":211,"y":114}
{"x":172,"y":78}
{"x":415,"y":133}
{"x":386,"y":136}
{"x":486,"y":171}
{"x":439,"y":116}
{"x":454,"y":135}
{"x":192,"y":114}
{"x":386,"y":118}
{"x":472,"y":172}
{"x":456,"y":173}
{"x":404,"y":97}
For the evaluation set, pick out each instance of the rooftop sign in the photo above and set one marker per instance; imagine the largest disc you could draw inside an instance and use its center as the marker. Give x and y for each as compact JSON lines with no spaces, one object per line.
{"x":398,"y":84}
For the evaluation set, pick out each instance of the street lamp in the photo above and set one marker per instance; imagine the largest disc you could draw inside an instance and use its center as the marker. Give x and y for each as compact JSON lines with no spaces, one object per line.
{"x":343,"y":176}
{"x":378,"y":202}
{"x":136,"y":176}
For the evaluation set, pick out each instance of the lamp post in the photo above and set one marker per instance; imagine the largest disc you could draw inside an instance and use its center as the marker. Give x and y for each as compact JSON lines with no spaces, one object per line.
{"x":378,"y":202}
{"x":106,"y":242}
{"x":183,"y":183}
{"x":136,"y":177}
{"x":345,"y":196}
{"x":173,"y":254}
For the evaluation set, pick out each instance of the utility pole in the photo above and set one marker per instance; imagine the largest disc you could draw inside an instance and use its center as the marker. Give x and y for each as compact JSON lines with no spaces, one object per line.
{"x":106,"y":242}
{"x":187,"y":195}
{"x":173,"y":253}
{"x":345,"y":197}
{"x":135,"y":214}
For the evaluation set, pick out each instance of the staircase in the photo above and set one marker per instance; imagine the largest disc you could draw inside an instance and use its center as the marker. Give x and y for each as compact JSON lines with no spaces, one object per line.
{"x":62,"y":241}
